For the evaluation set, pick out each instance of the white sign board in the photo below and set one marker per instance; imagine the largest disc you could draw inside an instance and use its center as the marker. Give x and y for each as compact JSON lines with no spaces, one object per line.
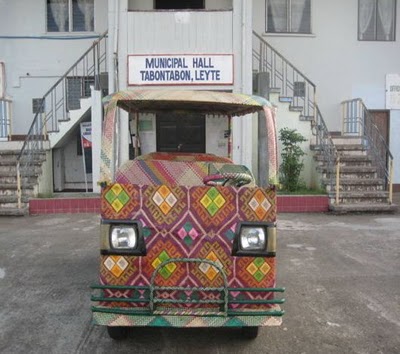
{"x":196,"y":69}
{"x":393,"y":91}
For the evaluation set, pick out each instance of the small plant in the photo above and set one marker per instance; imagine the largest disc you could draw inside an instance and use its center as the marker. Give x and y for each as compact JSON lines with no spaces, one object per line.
{"x":292,"y":164}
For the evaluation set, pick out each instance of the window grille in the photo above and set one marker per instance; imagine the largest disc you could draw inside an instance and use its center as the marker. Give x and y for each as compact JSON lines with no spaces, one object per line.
{"x":70,"y":15}
{"x":376,"y":20}
{"x":288,"y":16}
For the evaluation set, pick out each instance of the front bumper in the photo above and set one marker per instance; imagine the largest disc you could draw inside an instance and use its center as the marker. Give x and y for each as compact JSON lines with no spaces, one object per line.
{"x":198,"y":306}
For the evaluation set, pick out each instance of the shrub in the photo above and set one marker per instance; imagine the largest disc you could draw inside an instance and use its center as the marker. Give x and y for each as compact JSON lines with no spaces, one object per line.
{"x":291,"y":165}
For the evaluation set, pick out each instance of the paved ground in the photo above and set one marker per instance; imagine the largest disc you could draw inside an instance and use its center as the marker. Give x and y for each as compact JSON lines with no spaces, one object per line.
{"x":342,"y":275}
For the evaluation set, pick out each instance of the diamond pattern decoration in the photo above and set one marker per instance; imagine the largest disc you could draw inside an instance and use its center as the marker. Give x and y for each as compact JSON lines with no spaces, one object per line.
{"x":168,"y":269}
{"x":164,"y":199}
{"x":188,"y":233}
{"x":258,"y":269}
{"x":116,"y":265}
{"x":213,"y":201}
{"x":209,"y":270}
{"x":259,"y":204}
{"x":117,"y":197}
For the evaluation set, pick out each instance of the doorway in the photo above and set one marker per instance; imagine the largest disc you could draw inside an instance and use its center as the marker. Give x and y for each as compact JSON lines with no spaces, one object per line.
{"x":179,"y":4}
{"x":181,"y":132}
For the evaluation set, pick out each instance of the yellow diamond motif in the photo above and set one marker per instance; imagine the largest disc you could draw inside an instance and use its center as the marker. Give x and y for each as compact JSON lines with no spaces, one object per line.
{"x":171,"y":267}
{"x":211,"y":273}
{"x":116,"y":188}
{"x":219,"y":201}
{"x":265,"y":268}
{"x":117,"y":205}
{"x":117,"y":271}
{"x":212,"y":257}
{"x":206,"y":201}
{"x":251,"y":268}
{"x":156,"y":263}
{"x":165,"y":208}
{"x":164,"y":191}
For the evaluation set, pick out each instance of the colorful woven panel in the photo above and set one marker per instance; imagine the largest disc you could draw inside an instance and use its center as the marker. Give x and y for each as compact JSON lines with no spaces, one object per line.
{"x":189,"y":222}
{"x":108,"y":319}
{"x":181,"y":156}
{"x":154,"y":172}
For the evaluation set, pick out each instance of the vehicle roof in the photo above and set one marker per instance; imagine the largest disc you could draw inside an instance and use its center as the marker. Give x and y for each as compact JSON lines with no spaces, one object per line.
{"x":206,"y":102}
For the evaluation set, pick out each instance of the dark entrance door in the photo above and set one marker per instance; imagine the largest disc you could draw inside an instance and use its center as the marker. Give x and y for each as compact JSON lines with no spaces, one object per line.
{"x":381,"y":119}
{"x":181,"y":132}
{"x":178,"y":4}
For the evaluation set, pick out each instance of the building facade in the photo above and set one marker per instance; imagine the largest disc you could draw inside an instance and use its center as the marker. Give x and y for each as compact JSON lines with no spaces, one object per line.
{"x":325,"y":52}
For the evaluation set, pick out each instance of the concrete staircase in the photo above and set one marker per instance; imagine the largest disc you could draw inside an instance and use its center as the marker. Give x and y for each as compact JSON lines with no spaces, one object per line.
{"x":360,"y":188}
{"x":8,"y":182}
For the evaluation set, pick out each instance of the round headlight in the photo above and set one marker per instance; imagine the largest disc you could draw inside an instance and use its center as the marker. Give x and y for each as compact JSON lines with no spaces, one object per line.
{"x":123,"y":237}
{"x":252,"y":238}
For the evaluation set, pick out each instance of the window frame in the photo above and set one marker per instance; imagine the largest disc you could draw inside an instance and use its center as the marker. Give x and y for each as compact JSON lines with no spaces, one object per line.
{"x":375,"y":39}
{"x":70,"y":20}
{"x":290,"y":33}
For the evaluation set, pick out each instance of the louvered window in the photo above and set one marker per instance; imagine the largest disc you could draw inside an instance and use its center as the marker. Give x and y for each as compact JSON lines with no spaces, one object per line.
{"x":288,"y":16}
{"x":70,"y":15}
{"x":376,"y":20}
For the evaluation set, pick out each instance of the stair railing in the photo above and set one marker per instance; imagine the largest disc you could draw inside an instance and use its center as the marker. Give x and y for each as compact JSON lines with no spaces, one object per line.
{"x":5,"y":118}
{"x":292,"y":83}
{"x":327,"y":148}
{"x":56,"y":103}
{"x":358,"y":121}
{"x":283,"y":75}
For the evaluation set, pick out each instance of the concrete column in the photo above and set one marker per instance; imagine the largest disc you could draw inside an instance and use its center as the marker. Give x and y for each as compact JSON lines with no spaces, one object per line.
{"x":243,"y":128}
{"x":97,"y":122}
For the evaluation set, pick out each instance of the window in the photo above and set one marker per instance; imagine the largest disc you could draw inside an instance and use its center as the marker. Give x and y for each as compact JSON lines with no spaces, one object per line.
{"x":288,"y":16}
{"x":376,"y":20}
{"x":70,"y":15}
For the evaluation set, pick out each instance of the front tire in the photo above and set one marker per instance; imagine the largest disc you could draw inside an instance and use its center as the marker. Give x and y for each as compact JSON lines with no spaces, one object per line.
{"x":250,"y":332}
{"x":117,"y":333}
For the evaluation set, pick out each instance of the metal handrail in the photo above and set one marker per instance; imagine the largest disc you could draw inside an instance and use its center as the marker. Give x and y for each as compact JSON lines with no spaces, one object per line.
{"x":283,"y":75}
{"x":326,"y":146}
{"x":54,"y":106}
{"x":358,"y":121}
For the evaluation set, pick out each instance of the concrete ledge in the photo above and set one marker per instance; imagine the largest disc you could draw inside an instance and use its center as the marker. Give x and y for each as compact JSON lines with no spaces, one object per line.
{"x":65,"y":205}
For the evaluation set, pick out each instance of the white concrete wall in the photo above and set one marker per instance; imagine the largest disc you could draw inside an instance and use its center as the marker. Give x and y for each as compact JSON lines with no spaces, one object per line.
{"x":33,"y":62}
{"x":341,"y":66}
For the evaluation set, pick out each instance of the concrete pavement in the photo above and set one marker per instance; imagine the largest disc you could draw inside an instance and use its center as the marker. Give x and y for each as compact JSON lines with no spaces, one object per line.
{"x":342,"y":275}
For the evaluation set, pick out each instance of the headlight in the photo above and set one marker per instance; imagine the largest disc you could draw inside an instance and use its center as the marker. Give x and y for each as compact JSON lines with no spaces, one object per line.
{"x":252,"y":238}
{"x":123,"y":237}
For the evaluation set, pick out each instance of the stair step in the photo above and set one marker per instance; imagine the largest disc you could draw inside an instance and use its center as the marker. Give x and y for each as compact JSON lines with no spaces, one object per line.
{"x":358,"y":194}
{"x":350,"y":147}
{"x":295,"y":108}
{"x":4,"y":199}
{"x":274,"y":90}
{"x":306,"y":118}
{"x":358,"y":181}
{"x":14,"y":211}
{"x":351,"y":169}
{"x":364,"y":207}
{"x":285,"y":99}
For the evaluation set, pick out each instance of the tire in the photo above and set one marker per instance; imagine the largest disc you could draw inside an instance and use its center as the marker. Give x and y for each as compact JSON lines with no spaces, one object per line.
{"x":117,"y":333}
{"x":250,"y":332}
